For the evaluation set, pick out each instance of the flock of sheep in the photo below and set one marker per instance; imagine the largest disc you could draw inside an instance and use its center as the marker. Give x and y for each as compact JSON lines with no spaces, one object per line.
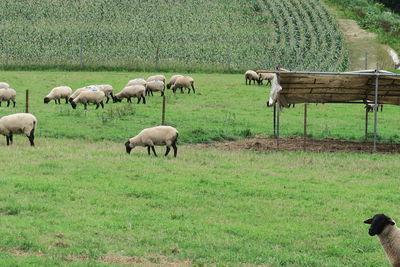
{"x":25,"y":123}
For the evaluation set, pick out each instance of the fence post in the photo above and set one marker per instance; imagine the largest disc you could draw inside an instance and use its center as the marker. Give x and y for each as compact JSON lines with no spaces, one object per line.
{"x":163,"y":111}
{"x":305,"y":126}
{"x":26,"y":101}
{"x":366,"y":60}
{"x":81,"y":52}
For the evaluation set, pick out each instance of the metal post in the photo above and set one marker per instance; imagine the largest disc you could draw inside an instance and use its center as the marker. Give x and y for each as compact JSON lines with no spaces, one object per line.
{"x":163,"y":111}
{"x":27,"y":101}
{"x":305,"y":127}
{"x":81,"y":52}
{"x":376,"y":105}
{"x":275,"y":120}
{"x":366,"y":124}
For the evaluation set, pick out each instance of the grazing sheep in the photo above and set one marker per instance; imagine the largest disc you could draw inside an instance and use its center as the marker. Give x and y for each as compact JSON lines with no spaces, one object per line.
{"x":182,"y":83}
{"x":94,"y":96}
{"x":131,"y":91}
{"x":369,"y":106}
{"x":8,"y":94}
{"x":251,"y":75}
{"x":80,"y":90}
{"x":57,"y":93}
{"x":18,"y":123}
{"x":155,"y":85}
{"x":266,"y":76}
{"x":172,"y":80}
{"x":136,"y":81}
{"x":156,"y":78}
{"x":389,"y":236}
{"x":107,"y":89}
{"x":156,"y":136}
{"x":4,"y":85}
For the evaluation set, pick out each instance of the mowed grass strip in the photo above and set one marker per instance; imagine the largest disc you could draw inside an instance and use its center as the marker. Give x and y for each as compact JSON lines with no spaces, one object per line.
{"x":229,"y":208}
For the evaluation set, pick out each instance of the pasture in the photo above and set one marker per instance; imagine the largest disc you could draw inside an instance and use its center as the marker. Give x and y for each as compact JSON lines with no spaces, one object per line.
{"x":78,"y":199}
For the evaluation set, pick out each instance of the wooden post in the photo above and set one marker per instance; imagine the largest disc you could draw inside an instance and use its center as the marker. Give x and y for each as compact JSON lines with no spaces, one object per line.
{"x":305,"y":127}
{"x":81,"y":52}
{"x":27,"y":101}
{"x":376,"y":105}
{"x":366,"y":60}
{"x":274,"y":120}
{"x":163,"y":111}
{"x":366,"y":124}
{"x":277,"y":124}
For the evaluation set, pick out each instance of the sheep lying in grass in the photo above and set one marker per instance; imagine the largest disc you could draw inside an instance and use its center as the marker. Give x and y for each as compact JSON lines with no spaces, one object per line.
{"x":93,"y":96}
{"x":172,"y":80}
{"x":7,"y":94}
{"x":251,"y":75}
{"x":137,"y":81}
{"x":128,"y":92}
{"x":182,"y":83}
{"x":107,"y":90}
{"x":155,"y":86}
{"x":19,"y":123}
{"x":389,"y":236}
{"x":4,"y":85}
{"x":57,"y":93}
{"x":265,"y":77}
{"x":156,"y":136}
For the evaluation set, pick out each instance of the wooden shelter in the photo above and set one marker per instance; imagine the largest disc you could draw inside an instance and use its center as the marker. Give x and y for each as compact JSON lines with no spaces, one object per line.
{"x":358,"y":87}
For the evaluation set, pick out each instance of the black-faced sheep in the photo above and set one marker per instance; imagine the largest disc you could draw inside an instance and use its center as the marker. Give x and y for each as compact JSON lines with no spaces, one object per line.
{"x":7,"y":94}
{"x":137,"y":81}
{"x":93,"y":96}
{"x":107,"y":90}
{"x":80,"y":90}
{"x":19,"y":123}
{"x":266,"y":77}
{"x":128,"y":92}
{"x":172,"y":80}
{"x":57,"y":93}
{"x":182,"y":83}
{"x":156,"y":136}
{"x":251,"y":75}
{"x":389,"y":236}
{"x":155,"y":86}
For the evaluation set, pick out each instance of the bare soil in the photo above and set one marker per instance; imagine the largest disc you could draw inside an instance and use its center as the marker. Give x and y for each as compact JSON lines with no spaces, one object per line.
{"x":298,"y":144}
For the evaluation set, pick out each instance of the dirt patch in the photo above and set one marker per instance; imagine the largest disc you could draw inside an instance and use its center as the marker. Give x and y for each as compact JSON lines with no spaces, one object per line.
{"x":297,"y":144}
{"x":155,"y":260}
{"x":23,"y":253}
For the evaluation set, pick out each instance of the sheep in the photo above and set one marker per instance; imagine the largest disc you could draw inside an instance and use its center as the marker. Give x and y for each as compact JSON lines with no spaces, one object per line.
{"x":80,"y":90}
{"x":57,"y":93}
{"x":266,"y":76}
{"x":172,"y":80}
{"x":155,"y":85}
{"x":4,"y":85}
{"x":182,"y":83}
{"x":157,"y":78}
{"x":8,"y":94}
{"x":140,"y":81}
{"x":131,"y":91}
{"x":156,"y":136}
{"x":94,"y":96}
{"x":18,"y":123}
{"x":251,"y":75}
{"x":107,"y":89}
{"x":389,"y":235}
{"x":369,"y":106}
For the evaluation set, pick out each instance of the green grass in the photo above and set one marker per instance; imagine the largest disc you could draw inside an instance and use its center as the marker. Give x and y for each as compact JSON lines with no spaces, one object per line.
{"x":216,"y":207}
{"x":223,"y":108}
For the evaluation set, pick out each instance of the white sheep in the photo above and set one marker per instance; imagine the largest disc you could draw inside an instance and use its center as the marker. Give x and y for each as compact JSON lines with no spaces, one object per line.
{"x":136,"y":81}
{"x":7,"y":94}
{"x":172,"y":80}
{"x":369,"y":106}
{"x":266,"y":76}
{"x":251,"y":75}
{"x":18,"y":123}
{"x":93,"y":96}
{"x":107,"y":89}
{"x":128,"y":92}
{"x":182,"y":83}
{"x":4,"y":85}
{"x":80,"y":90}
{"x":156,"y":136}
{"x":155,"y":85}
{"x":57,"y":93}
{"x":389,"y":236}
{"x":158,"y":77}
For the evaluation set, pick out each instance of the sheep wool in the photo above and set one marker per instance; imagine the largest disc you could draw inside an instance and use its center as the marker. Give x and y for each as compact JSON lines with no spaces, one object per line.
{"x":136,"y":81}
{"x":19,"y":123}
{"x":8,"y":94}
{"x":251,"y":75}
{"x":183,"y":83}
{"x":128,"y":92}
{"x":266,"y":77}
{"x":172,"y":80}
{"x":155,"y":85}
{"x":4,"y":85}
{"x":158,"y":77}
{"x":80,"y":90}
{"x":93,"y":96}
{"x":389,"y":236}
{"x":107,"y":89}
{"x":57,"y":93}
{"x":156,"y":136}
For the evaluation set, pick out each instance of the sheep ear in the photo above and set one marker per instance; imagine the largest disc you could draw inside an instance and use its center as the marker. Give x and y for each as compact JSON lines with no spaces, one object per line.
{"x":369,"y":221}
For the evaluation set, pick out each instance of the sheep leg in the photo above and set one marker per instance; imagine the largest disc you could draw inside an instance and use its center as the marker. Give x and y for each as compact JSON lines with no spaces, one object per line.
{"x":14,"y":103}
{"x":148,"y":150}
{"x":151,"y":92}
{"x":108,"y":99}
{"x":162,"y":93}
{"x":138,"y":100}
{"x":31,"y":137}
{"x":85,"y":106}
{"x":193,"y":89}
{"x":11,"y":138}
{"x":8,"y":103}
{"x":8,"y":140}
{"x":167,"y":151}
{"x":188,"y":90}
{"x":66,"y":100}
{"x":144,"y":100}
{"x":97,"y":105}
{"x":0,"y":103}
{"x":182,"y":92}
{"x":102,"y":104}
{"x":175,"y":149}
{"x":154,"y":151}
{"x":59,"y":101}
{"x":129,"y":100}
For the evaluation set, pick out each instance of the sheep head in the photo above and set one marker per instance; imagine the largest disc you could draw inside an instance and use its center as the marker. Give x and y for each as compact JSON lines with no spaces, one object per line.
{"x":378,"y":224}
{"x":128,"y":147}
{"x":46,"y":100}
{"x":73,"y":104}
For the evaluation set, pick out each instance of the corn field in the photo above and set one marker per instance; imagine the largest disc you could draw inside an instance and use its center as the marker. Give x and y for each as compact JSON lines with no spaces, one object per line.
{"x":204,"y":35}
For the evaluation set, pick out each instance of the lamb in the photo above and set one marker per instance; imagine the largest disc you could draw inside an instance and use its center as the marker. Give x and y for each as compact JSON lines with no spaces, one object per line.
{"x":140,"y":81}
{"x":172,"y":80}
{"x":4,"y":85}
{"x":57,"y":93}
{"x":107,"y":89}
{"x":94,"y":96}
{"x":8,"y":94}
{"x":156,"y":136}
{"x":18,"y":123}
{"x":266,"y":76}
{"x":389,"y":235}
{"x":80,"y":90}
{"x":251,"y":75}
{"x":131,"y":91}
{"x":182,"y":83}
{"x":155,"y":85}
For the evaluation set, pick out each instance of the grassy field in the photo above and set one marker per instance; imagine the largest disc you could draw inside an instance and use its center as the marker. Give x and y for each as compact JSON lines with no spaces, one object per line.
{"x":230,"y":208}
{"x":223,"y":108}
